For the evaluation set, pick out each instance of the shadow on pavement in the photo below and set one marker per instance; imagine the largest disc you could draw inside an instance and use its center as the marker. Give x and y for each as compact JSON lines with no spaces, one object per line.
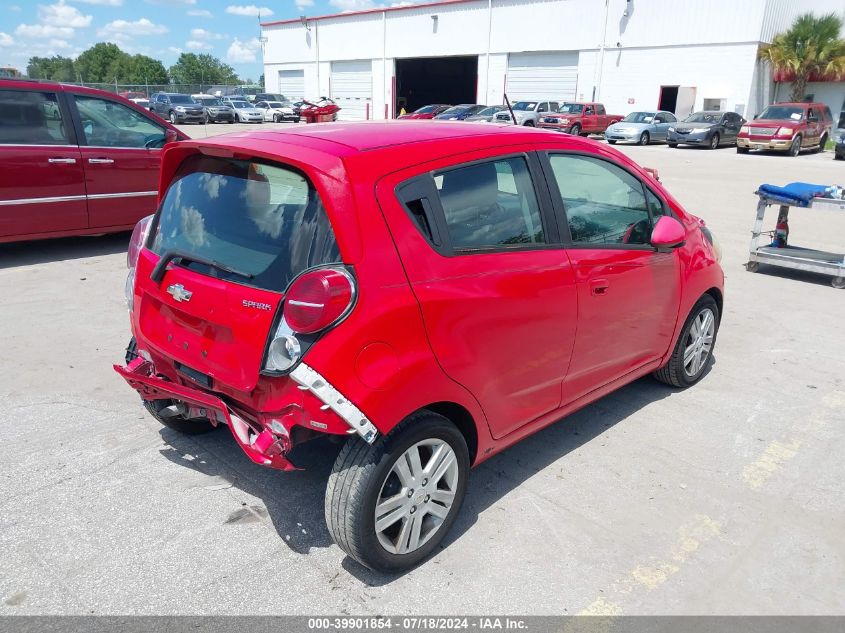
{"x":16,"y":254}
{"x":294,"y":501}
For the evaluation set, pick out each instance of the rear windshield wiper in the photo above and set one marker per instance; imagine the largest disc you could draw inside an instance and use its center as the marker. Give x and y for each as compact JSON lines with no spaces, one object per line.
{"x":183,"y":256}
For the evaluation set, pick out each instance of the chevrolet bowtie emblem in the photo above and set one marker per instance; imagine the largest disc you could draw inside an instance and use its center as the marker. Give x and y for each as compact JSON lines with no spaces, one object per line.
{"x":178,"y":292}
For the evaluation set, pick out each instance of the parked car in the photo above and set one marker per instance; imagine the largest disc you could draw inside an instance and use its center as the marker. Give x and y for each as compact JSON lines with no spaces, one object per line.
{"x":641,"y":128}
{"x":787,"y":127}
{"x":579,"y":118}
{"x":710,"y":128}
{"x":144,"y":103}
{"x":347,"y":280}
{"x":527,"y":112}
{"x":177,"y":107}
{"x":75,"y":160}
{"x":839,"y":150}
{"x":215,"y":109}
{"x":271,"y":96}
{"x":277,"y":111}
{"x":426,"y":112}
{"x":244,"y":112}
{"x":133,"y":96}
{"x":486,"y":115}
{"x":460,"y":112}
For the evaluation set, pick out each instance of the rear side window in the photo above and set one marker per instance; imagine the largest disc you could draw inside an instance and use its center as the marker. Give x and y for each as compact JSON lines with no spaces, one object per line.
{"x":488,"y":205}
{"x":264,"y":221}
{"x":31,"y":118}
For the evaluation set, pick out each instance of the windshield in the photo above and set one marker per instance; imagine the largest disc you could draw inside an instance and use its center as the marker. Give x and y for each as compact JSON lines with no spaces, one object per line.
{"x":791,"y":113}
{"x":703,"y":117}
{"x":489,"y":111}
{"x":525,"y":105}
{"x":265,"y":220}
{"x":275,"y":104}
{"x":181,"y":99}
{"x":639,"y":117}
{"x":240,"y":104}
{"x":571,"y":108}
{"x":209,"y":101}
{"x":427,"y":109}
{"x":456,"y":109}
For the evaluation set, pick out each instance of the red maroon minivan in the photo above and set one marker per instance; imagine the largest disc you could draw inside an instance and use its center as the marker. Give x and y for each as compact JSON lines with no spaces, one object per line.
{"x":427,"y":294}
{"x":75,"y":160}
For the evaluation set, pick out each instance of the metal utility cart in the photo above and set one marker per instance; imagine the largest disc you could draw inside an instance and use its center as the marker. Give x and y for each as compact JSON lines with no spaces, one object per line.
{"x":796,"y":257}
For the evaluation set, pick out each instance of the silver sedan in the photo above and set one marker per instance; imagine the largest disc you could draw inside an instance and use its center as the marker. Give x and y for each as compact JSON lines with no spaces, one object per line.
{"x":641,"y":128}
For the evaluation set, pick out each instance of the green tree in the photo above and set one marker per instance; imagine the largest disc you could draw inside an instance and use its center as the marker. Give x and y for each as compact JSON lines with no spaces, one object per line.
{"x":191,"y":68}
{"x":811,"y":47}
{"x":56,"y":68}
{"x":100,"y":63}
{"x":261,"y":80}
{"x":138,"y":69}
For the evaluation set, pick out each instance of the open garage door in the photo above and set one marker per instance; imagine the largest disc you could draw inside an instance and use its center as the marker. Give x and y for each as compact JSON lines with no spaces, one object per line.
{"x":542,"y":76}
{"x":292,"y":84}
{"x":352,"y":89}
{"x":425,"y":80}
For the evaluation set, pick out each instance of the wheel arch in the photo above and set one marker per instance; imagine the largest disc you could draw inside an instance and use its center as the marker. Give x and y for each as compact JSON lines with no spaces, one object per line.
{"x":461,"y":418}
{"x":717,"y":297}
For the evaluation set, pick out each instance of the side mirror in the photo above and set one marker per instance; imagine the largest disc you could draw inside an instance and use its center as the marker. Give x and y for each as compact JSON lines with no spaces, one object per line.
{"x":170,"y":136}
{"x":668,"y":233}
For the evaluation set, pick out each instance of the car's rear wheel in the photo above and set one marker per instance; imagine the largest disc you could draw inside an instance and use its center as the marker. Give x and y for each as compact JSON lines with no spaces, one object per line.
{"x":694,"y":348}
{"x":611,"y":142}
{"x":795,"y":148}
{"x":575,"y":130}
{"x":714,"y":141}
{"x":389,"y":504}
{"x":672,"y":145}
{"x":741,"y":150}
{"x":644,"y":138}
{"x":822,"y":143}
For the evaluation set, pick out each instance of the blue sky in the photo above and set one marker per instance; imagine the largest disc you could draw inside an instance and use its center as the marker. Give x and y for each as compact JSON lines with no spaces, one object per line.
{"x":227,"y":29}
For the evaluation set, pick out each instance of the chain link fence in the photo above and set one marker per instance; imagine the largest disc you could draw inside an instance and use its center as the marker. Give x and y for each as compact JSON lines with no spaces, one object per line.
{"x":148,"y":89}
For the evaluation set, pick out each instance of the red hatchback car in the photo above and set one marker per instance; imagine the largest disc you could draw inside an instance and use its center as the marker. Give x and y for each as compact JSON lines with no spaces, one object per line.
{"x":75,"y":160}
{"x":429,"y":295}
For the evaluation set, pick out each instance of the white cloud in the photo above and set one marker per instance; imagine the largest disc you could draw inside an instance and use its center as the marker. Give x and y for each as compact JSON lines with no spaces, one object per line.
{"x":248,"y":10}
{"x":242,"y":52}
{"x":6,"y":39}
{"x":178,"y":3}
{"x":44,"y":31}
{"x":174,"y":49}
{"x":202,"y":34}
{"x":124,"y":29}
{"x":352,"y":5}
{"x":195,"y":45}
{"x":64,"y":15}
{"x":15,"y":8}
{"x":301,"y":4}
{"x":105,"y":3}
{"x":200,"y":13}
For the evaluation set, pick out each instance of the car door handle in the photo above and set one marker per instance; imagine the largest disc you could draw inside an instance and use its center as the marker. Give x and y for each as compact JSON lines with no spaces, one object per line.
{"x":61,"y":161}
{"x":101,"y":161}
{"x":599,"y":287}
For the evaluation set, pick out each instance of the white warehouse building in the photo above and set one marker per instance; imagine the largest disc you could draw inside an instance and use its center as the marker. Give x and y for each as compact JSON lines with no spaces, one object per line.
{"x":676,"y":55}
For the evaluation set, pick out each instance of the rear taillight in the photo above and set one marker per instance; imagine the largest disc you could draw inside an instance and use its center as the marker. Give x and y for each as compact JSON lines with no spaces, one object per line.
{"x":318,"y":299}
{"x":315,"y":301}
{"x":136,"y":242}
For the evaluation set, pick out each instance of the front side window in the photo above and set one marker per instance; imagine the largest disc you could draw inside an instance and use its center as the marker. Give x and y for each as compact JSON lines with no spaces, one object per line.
{"x":110,"y":124}
{"x":604,"y":204}
{"x":600,"y":109}
{"x":31,"y":118}
{"x":525,"y":106}
{"x":266,"y":222}
{"x":489,"y":205}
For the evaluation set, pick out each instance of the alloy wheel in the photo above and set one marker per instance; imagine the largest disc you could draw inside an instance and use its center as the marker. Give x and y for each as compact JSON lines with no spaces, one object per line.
{"x":699,"y":342}
{"x":644,"y":139}
{"x":416,"y":496}
{"x":714,"y":142}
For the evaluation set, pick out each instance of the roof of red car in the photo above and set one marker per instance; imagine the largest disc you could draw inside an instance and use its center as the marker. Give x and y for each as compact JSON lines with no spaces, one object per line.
{"x":364,"y":136}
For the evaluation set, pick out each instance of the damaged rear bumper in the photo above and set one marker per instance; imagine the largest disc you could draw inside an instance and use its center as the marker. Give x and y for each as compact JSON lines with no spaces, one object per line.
{"x":261,"y":445}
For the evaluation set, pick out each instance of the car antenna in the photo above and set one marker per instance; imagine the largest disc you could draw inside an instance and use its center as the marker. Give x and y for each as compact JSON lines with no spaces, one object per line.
{"x":510,"y":109}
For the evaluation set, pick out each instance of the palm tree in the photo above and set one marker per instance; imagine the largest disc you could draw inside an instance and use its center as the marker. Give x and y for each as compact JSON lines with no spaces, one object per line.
{"x":810,"y":49}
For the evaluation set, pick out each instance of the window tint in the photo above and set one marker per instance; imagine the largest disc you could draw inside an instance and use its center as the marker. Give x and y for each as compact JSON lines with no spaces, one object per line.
{"x":490,"y":204}
{"x":110,"y":124}
{"x":588,"y":110}
{"x":31,"y":118}
{"x":655,"y":206}
{"x":604,"y":204}
{"x":263,"y":220}
{"x":600,"y":109}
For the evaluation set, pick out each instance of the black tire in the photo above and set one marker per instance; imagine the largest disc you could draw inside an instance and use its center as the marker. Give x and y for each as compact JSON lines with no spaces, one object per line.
{"x":277,"y":118}
{"x":741,"y":150}
{"x":232,"y":122}
{"x":822,"y":143}
{"x":207,"y":119}
{"x":575,"y":130}
{"x":172,"y":117}
{"x":672,"y":145}
{"x":714,"y":141}
{"x":529,"y":123}
{"x":644,"y":139}
{"x":358,"y":476}
{"x":609,"y":142}
{"x":838,"y":156}
{"x":673,"y":373}
{"x":795,"y":148}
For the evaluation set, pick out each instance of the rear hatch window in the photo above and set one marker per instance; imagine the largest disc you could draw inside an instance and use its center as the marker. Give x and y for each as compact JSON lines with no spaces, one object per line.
{"x":264,"y":223}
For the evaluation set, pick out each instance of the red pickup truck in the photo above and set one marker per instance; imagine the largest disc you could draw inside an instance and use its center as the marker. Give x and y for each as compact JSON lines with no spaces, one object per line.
{"x":579,"y":119}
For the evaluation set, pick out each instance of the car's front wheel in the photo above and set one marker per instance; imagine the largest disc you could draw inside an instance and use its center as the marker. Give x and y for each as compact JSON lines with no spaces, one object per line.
{"x":644,"y":138}
{"x":389,"y":504}
{"x":795,"y":147}
{"x":694,"y":348}
{"x":575,"y":130}
{"x":714,"y":141}
{"x":173,"y":118}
